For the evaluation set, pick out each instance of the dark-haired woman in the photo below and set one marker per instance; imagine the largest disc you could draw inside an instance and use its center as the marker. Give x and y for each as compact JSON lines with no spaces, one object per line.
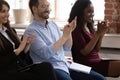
{"x":87,"y":41}
{"x":14,"y":53}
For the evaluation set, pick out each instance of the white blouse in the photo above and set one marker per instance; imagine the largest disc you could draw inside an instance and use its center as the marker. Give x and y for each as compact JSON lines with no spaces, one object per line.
{"x":3,"y":31}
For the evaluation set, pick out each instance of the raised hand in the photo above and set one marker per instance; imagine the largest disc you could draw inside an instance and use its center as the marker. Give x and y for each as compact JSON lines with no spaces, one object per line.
{"x":102,"y":27}
{"x":25,"y":44}
{"x":29,"y":41}
{"x":72,"y":25}
{"x":69,"y":28}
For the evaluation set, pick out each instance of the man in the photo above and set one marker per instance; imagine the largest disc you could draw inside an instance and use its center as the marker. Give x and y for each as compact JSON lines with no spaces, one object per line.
{"x":50,"y":44}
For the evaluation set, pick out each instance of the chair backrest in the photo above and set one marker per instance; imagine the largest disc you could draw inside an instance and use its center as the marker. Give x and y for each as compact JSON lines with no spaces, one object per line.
{"x":24,"y":59}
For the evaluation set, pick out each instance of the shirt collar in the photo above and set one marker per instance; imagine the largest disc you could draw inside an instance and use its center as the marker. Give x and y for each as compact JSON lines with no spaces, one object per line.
{"x":4,"y":29}
{"x":40,"y":24}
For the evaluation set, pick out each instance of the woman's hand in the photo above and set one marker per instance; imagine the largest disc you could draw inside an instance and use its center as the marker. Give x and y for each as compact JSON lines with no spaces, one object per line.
{"x":25,"y":44}
{"x":29,"y":41}
{"x":102,"y":27}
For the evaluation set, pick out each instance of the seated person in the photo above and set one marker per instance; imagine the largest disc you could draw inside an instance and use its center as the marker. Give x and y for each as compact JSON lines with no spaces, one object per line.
{"x":87,"y":41}
{"x":12,"y":50}
{"x":50,"y":44}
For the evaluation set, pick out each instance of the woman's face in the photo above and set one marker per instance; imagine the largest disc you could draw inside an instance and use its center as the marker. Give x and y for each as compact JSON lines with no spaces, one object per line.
{"x":4,"y":14}
{"x":89,"y":13}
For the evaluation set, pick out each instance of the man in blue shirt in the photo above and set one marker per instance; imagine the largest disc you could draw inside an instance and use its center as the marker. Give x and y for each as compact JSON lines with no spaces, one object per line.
{"x":50,"y":43}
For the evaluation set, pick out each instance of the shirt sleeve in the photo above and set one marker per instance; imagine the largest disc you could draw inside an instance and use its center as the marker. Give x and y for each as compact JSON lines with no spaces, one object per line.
{"x":39,"y":47}
{"x":60,"y":32}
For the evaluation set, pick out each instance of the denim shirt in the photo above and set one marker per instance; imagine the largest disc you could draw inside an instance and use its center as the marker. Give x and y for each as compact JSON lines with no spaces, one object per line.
{"x":42,"y":48}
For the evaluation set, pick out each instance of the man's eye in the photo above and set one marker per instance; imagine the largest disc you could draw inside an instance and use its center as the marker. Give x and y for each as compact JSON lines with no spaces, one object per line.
{"x":44,"y":6}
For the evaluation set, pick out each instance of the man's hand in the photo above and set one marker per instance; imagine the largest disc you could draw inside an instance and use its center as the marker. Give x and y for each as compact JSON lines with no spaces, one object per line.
{"x":69,"y":28}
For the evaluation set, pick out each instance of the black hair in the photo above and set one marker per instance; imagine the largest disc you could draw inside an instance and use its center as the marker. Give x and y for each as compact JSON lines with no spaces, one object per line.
{"x":33,"y":3}
{"x":5,"y":3}
{"x":78,"y":11}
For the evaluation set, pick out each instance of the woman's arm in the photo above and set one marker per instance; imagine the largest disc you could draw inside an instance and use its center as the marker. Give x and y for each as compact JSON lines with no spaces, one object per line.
{"x":95,"y":42}
{"x":24,"y":45}
{"x":90,"y":46}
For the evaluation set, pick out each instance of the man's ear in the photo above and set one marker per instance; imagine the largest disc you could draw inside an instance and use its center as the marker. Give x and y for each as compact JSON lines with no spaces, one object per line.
{"x":34,"y":9}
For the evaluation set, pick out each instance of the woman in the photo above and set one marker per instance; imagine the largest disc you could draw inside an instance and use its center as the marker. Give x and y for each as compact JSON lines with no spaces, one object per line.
{"x":87,"y":41}
{"x":14,"y":53}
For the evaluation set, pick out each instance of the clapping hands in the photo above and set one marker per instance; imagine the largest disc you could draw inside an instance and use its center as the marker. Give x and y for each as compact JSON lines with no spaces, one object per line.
{"x":25,"y":44}
{"x":69,"y":28}
{"x":103,"y":27}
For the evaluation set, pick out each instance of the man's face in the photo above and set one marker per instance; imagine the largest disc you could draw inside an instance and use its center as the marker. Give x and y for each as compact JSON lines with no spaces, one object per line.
{"x":43,"y":10}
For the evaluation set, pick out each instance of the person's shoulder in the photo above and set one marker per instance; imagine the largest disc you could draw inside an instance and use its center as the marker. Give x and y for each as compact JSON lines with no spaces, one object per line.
{"x":30,"y":26}
{"x":52,"y":22}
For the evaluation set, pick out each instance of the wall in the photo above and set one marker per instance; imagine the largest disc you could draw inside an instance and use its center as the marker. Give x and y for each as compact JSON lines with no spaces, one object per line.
{"x":111,"y":41}
{"x":112,"y":14}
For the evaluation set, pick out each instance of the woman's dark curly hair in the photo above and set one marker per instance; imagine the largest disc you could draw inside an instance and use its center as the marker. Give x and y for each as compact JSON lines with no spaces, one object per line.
{"x":78,"y":11}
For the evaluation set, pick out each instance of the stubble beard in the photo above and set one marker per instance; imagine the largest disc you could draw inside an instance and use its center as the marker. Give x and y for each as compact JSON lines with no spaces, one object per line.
{"x":43,"y":16}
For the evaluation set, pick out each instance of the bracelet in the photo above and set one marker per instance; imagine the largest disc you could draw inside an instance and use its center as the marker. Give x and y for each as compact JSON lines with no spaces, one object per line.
{"x":16,"y":52}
